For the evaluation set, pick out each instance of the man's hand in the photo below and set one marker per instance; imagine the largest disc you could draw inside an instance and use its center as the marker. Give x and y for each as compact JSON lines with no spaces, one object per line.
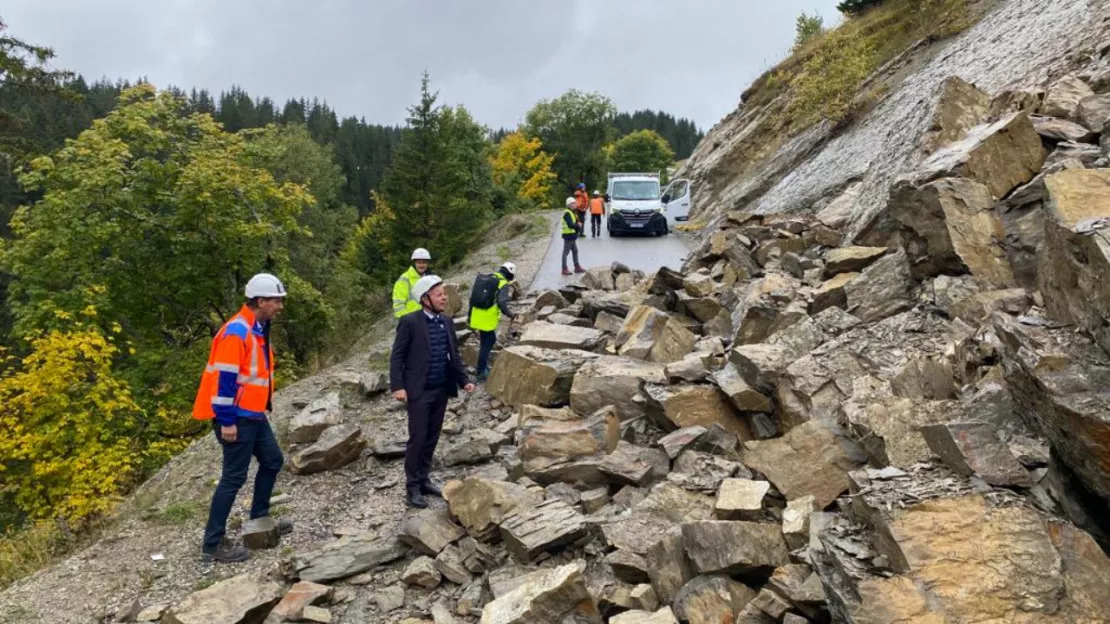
{"x":469,"y":388}
{"x":229,"y":434}
{"x":401,"y":396}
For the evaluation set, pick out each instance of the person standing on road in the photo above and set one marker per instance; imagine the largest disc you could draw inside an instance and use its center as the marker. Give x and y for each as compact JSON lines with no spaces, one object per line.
{"x":571,"y":227}
{"x":582,"y":203}
{"x":597,"y":210}
{"x":403,"y":302}
{"x":236,"y":391}
{"x":425,"y":371}
{"x":486,"y":320}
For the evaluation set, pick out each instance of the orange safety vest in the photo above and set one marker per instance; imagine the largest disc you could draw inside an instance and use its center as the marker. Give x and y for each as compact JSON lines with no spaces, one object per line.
{"x":238,"y":349}
{"x":597,"y":205}
{"x":583,"y":199}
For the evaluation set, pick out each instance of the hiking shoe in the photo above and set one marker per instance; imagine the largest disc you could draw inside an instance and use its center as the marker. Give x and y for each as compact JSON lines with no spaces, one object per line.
{"x":566,"y":272}
{"x":579,"y":269}
{"x":431,"y":489}
{"x":416,"y":499}
{"x":225,"y":553}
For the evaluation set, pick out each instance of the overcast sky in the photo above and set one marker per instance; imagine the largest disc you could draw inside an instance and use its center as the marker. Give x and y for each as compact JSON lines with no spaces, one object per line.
{"x":498,"y":57}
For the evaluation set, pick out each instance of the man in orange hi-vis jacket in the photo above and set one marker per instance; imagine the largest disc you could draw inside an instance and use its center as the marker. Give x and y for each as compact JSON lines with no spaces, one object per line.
{"x":236,"y":392}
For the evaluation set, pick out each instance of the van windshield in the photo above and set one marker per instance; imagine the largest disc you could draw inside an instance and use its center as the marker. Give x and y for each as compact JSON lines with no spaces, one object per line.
{"x":635,"y":189}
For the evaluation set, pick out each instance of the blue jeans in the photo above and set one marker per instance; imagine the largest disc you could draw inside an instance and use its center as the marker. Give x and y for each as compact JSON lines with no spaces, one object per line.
{"x":485,"y":347}
{"x":255,"y":439}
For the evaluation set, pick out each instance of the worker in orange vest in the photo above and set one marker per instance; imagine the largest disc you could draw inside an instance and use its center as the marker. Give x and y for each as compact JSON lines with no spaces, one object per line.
{"x":582,"y":202}
{"x":236,"y":391}
{"x":597,"y":210}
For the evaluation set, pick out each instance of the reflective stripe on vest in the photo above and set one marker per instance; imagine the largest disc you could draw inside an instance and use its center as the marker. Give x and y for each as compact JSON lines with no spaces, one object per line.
{"x":253,"y":378}
{"x":486,"y":319}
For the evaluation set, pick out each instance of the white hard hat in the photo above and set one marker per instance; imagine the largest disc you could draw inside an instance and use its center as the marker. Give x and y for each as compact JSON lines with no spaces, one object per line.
{"x":425,"y":284}
{"x":510,"y":267}
{"x":421,"y":254}
{"x":571,"y":201}
{"x":265,"y":285}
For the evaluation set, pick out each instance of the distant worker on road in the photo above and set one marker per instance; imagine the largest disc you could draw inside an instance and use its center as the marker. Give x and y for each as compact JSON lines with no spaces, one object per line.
{"x":403,"y":302}
{"x":597,"y":210}
{"x":236,"y":391}
{"x":571,"y":226}
{"x":489,"y":299}
{"x":581,"y":202}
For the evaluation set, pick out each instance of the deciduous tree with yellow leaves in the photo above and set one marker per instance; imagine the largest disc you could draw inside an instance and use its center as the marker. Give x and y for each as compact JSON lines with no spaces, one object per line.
{"x":522,"y":174}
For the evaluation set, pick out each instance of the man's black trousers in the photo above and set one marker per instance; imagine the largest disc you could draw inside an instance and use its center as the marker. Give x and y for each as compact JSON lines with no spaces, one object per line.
{"x":425,"y":422}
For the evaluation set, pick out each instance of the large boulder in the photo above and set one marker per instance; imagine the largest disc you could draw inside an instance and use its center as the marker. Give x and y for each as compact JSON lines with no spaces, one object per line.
{"x":1059,"y":381}
{"x":743,"y":396}
{"x":616,"y":381}
{"x":653,"y":335}
{"x":687,"y":405}
{"x":958,"y":230}
{"x":712,"y":599}
{"x":567,"y":439}
{"x":429,"y":531}
{"x":480,"y":504}
{"x":750,"y":549}
{"x":1064,"y":97}
{"x":1094,"y":112}
{"x":1075,"y":259}
{"x":973,"y":448}
{"x":553,"y":596}
{"x":246,"y":597}
{"x":960,"y":107}
{"x":346,"y":557}
{"x":532,"y":530}
{"x":525,"y":375}
{"x":454,"y":299}
{"x":812,"y":459}
{"x":882,"y":289}
{"x":338,"y":446}
{"x":963,"y":559}
{"x":317,"y":416}
{"x":1001,"y":155}
{"x":552,"y":336}
{"x":666,"y":505}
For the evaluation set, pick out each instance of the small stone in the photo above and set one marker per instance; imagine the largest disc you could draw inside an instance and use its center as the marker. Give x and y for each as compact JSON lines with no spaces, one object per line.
{"x":795,"y":521}
{"x":151,"y":614}
{"x":316,"y":614}
{"x":390,"y":598}
{"x":593,"y":500}
{"x":741,"y":499}
{"x":643,"y":597}
{"x":628,"y":566}
{"x":261,"y":533}
{"x":422,"y":571}
{"x":429,"y":531}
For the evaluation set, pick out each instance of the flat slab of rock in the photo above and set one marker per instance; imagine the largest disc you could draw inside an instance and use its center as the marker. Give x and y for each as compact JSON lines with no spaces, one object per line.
{"x":738,"y":548}
{"x":628,"y":566}
{"x":293,"y":604}
{"x":347,"y":556}
{"x":548,"y":597}
{"x":567,"y":439}
{"x":615,"y":381}
{"x":422,"y":571}
{"x":227,"y":602}
{"x":470,"y":449}
{"x":685,"y":406}
{"x":481,"y":504}
{"x":680,"y":439}
{"x":317,"y":416}
{"x":666,"y":505}
{"x":629,"y":464}
{"x":851,"y":259}
{"x":974,"y":449}
{"x":668,"y":565}
{"x":814,"y":458}
{"x":741,"y":499}
{"x":552,"y":336}
{"x":429,"y":531}
{"x":530,"y":531}
{"x":742,"y":395}
{"x":634,"y":616}
{"x":882,"y":289}
{"x":337,"y":446}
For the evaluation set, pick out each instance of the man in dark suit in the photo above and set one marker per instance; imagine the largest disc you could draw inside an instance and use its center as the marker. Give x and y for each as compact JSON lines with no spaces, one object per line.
{"x":425,"y":371}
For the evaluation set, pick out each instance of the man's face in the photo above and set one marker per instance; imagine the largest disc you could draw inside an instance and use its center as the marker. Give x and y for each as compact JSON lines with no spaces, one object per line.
{"x":421,"y":266}
{"x":269,"y":307}
{"x":437,"y":299}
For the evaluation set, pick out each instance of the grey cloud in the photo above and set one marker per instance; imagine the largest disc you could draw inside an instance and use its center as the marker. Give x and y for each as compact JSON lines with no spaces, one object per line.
{"x":498,"y":57}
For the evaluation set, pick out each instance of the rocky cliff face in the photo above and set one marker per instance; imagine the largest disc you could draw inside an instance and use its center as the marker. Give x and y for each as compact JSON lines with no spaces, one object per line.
{"x":1019,"y":44}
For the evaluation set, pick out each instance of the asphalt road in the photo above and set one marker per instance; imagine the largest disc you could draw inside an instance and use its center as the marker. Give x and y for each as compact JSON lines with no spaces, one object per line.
{"x":646,"y":253}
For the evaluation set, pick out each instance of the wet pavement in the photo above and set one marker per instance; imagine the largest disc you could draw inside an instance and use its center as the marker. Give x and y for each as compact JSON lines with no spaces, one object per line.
{"x":646,"y":253}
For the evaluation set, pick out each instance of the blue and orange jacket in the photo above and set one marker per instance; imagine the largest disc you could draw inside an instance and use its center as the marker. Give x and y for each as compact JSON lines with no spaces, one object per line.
{"x":238,"y":381}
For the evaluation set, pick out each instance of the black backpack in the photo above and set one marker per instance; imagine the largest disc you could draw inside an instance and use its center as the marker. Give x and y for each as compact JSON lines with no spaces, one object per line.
{"x":484,"y":293}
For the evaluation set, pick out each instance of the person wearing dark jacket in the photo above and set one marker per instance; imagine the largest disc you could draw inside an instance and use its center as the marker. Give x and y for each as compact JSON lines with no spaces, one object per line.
{"x":571,"y":228}
{"x":425,"y":371}
{"x":485,"y":320}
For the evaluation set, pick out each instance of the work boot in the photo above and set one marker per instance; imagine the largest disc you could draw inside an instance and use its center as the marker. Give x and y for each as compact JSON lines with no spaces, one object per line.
{"x":579,"y":269}
{"x":416,"y":499}
{"x":226,"y":552}
{"x":566,"y":272}
{"x":430,"y":489}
